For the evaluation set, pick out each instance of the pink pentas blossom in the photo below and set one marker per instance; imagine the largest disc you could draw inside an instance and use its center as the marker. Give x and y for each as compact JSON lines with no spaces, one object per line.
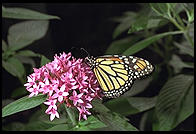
{"x":76,"y":98}
{"x":65,"y":80}
{"x":53,"y":113}
{"x":60,"y":93}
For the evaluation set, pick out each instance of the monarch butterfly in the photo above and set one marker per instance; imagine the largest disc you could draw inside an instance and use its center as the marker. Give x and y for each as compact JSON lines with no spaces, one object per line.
{"x":116,"y":73}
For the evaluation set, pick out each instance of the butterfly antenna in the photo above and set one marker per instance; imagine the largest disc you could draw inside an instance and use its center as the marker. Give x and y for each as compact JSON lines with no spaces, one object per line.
{"x":85,"y":51}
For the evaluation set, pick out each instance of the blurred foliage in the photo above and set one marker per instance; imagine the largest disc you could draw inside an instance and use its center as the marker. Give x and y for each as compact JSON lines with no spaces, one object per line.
{"x":164,"y":29}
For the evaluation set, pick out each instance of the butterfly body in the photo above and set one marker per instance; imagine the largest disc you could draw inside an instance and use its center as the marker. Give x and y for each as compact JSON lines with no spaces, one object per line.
{"x":116,"y":73}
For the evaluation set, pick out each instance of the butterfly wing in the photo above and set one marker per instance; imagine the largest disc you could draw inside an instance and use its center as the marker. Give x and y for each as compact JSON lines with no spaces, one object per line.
{"x":113,"y":75}
{"x":140,"y":67}
{"x":116,"y":73}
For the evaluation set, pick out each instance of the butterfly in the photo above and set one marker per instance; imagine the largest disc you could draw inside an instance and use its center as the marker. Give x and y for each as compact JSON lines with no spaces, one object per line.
{"x":116,"y":73}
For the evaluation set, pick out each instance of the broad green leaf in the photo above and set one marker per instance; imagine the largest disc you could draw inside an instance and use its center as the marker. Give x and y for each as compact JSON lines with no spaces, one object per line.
{"x":146,"y":121}
{"x":14,"y":126}
{"x":22,"y":13}
{"x":60,"y":127}
{"x":26,"y":60}
{"x":22,"y":104}
{"x":147,"y":21}
{"x":131,"y":105}
{"x":185,"y":48}
{"x":130,"y":18}
{"x":91,"y":123}
{"x":62,"y":120}
{"x":27,"y":53}
{"x":170,"y":99}
{"x":37,"y":126}
{"x":71,"y":114}
{"x":124,"y":25}
{"x":191,"y":32}
{"x":187,"y":107}
{"x":139,"y":24}
{"x":24,"y":33}
{"x":113,"y":120}
{"x":4,"y":45}
{"x":171,"y":6}
{"x":18,"y":92}
{"x":44,"y":60}
{"x":140,"y":21}
{"x":119,"y":46}
{"x":178,"y":64}
{"x":160,"y":8}
{"x":6,"y":102}
{"x":14,"y":67}
{"x":189,"y":8}
{"x":146,"y":42}
{"x":138,"y":86}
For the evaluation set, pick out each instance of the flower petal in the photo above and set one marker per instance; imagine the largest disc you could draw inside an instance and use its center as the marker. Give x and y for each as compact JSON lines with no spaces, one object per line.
{"x":52,"y":117}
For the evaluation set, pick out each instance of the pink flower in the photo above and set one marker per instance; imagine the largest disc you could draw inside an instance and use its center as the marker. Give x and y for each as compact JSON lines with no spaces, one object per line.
{"x":34,"y":90}
{"x":52,"y":104}
{"x":60,"y":93}
{"x":47,"y":87}
{"x":53,"y":113}
{"x":83,"y":113}
{"x":76,"y":98}
{"x":31,"y":82}
{"x":65,"y":80}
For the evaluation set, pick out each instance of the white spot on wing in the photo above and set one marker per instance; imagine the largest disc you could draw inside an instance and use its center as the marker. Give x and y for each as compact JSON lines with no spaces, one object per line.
{"x":134,"y":60}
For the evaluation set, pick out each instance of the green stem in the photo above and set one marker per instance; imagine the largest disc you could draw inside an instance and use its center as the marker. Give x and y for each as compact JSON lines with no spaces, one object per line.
{"x":176,"y":24}
{"x":188,"y":38}
{"x":70,"y":114}
{"x":180,"y":20}
{"x":184,"y":31}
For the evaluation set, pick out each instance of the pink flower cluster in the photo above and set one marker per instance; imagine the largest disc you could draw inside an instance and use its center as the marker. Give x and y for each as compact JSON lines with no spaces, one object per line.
{"x":65,"y":80}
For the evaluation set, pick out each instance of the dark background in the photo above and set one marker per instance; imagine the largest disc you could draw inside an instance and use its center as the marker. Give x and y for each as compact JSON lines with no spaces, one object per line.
{"x":82,"y":25}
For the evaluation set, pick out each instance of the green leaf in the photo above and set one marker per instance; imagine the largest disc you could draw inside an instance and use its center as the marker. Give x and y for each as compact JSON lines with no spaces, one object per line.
{"x":91,"y":123}
{"x":185,"y":48}
{"x":71,"y":114}
{"x":113,"y":120}
{"x":14,"y":67}
{"x":14,"y":126}
{"x":18,"y":92}
{"x":187,"y":107}
{"x":62,"y":120}
{"x":171,"y":6}
{"x":189,"y":8}
{"x":178,"y":64}
{"x":24,"y":33}
{"x":37,"y":126}
{"x":26,"y":60}
{"x":119,"y":46}
{"x":22,"y":104}
{"x":146,"y":42}
{"x":131,"y":105}
{"x":138,"y":86}
{"x":147,"y":21}
{"x":4,"y":45}
{"x":22,"y":13}
{"x":139,"y":24}
{"x":191,"y":32}
{"x":27,"y":53}
{"x":59,"y":127}
{"x":160,"y":8}
{"x":125,"y":23}
{"x":169,"y":101}
{"x":44,"y":60}
{"x":146,"y":121}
